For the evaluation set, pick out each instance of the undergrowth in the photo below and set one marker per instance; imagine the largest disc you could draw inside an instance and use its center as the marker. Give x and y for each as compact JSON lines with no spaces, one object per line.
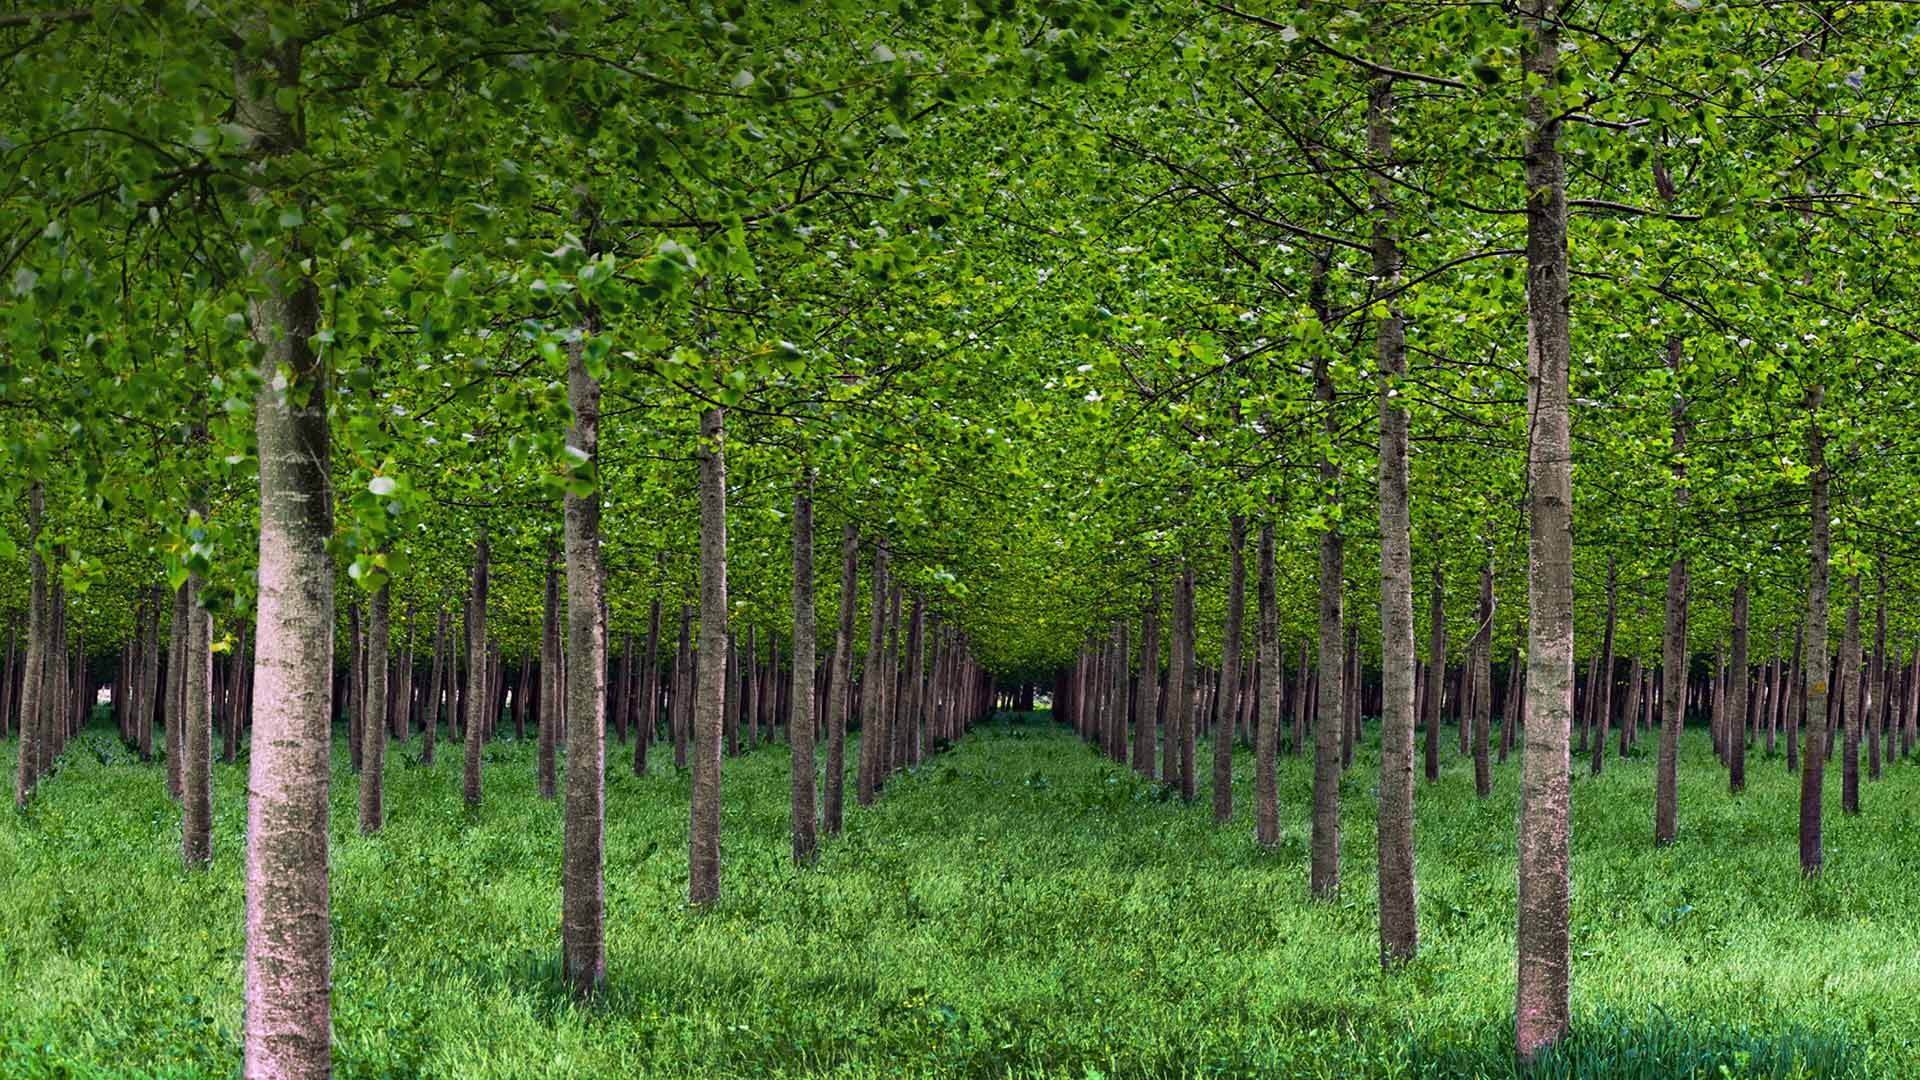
{"x":1017,"y":907}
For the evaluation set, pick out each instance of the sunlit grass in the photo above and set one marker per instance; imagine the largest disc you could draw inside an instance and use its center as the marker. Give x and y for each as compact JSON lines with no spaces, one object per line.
{"x":1017,"y":907}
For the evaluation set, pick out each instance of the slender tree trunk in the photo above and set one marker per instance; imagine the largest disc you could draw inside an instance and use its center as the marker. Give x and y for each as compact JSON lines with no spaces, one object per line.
{"x":1544,"y":968}
{"x":1481,"y":661}
{"x":474,"y":699}
{"x":840,"y":684}
{"x":1737,"y":695}
{"x":288,"y":929}
{"x":1510,"y":710}
{"x":703,"y":873}
{"x":436,"y":690}
{"x":650,"y":706}
{"x":916,"y":682}
{"x":32,"y":682}
{"x":1911,"y":710}
{"x":1876,"y":710}
{"x":1436,"y":671}
{"x":893,"y":748}
{"x":1190,"y":716}
{"x":1303,"y":696}
{"x":582,"y":879}
{"x":1266,"y":781}
{"x":176,"y":688}
{"x":147,"y":704}
{"x":1170,"y":706}
{"x":1666,"y":806}
{"x":1399,"y":923}
{"x":873,"y":738}
{"x":683,"y":690}
{"x":1146,"y":734}
{"x":1324,"y":868}
{"x":617,"y":690}
{"x":373,"y":751}
{"x":1794,"y":700}
{"x":8,"y":702}
{"x":1229,"y":672}
{"x":1813,"y":767}
{"x":750,"y":690}
{"x":230,"y":704}
{"x":1852,"y":704}
{"x":551,"y":706}
{"x":401,"y":718}
{"x":800,"y":725}
{"x":196,"y":771}
{"x":1604,"y":691}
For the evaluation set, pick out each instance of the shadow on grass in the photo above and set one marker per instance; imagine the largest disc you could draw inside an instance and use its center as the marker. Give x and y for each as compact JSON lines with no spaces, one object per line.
{"x":1657,"y":1046}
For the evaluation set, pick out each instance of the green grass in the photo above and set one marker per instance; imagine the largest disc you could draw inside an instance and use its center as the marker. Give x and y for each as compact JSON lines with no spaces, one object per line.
{"x":1016,"y":908}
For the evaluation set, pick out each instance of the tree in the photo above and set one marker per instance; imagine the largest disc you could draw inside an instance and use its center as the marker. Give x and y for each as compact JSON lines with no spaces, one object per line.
{"x":703,"y":881}
{"x":1542,"y":993}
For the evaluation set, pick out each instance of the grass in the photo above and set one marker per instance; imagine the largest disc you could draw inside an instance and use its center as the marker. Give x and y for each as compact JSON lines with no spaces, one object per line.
{"x":1016,"y":908}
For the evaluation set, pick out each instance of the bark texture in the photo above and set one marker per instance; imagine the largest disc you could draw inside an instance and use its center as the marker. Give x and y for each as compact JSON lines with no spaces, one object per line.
{"x":1544,"y":968}
{"x":373,"y":747}
{"x":288,"y":932}
{"x":583,"y":950}
{"x":840,"y":685}
{"x":800,"y":725}
{"x":476,"y":700}
{"x":703,"y":862}
{"x":1223,"y":732}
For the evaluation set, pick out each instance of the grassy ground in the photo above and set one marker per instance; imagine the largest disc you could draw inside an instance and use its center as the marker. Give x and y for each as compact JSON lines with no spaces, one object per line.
{"x":1016,"y":908}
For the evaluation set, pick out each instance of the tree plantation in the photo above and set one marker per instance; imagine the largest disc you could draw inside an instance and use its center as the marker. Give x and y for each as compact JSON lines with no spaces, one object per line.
{"x":974,"y":538}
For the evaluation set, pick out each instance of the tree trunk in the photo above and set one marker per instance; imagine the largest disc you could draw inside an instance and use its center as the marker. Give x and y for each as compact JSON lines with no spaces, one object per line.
{"x":356,"y":682}
{"x":1666,"y":806}
{"x":1229,"y":671}
{"x":1604,"y":699}
{"x":474,"y":699}
{"x":1266,"y":781}
{"x":147,"y":704}
{"x":800,"y":725}
{"x":1737,"y":695}
{"x":650,"y":689}
{"x":683,"y":689}
{"x":873,"y":738}
{"x":916,"y":682}
{"x":1324,"y":869}
{"x":1399,"y":923}
{"x":196,"y":771}
{"x":175,"y":711}
{"x":1510,"y":709}
{"x":1481,"y":661}
{"x":288,"y":932}
{"x":840,"y":684}
{"x":1877,"y":707}
{"x":703,"y":861}
{"x":1146,"y":734}
{"x":582,"y":881}
{"x":1190,"y":716}
{"x":1813,"y":767}
{"x":373,"y":750}
{"x":1851,"y":703}
{"x":1169,"y":705}
{"x":551,"y":706}
{"x":1542,"y":986}
{"x":32,"y":681}
{"x":1436,"y":670}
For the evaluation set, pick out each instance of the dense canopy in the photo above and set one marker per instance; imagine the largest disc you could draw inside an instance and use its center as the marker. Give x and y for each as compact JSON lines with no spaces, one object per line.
{"x":1302,"y":376}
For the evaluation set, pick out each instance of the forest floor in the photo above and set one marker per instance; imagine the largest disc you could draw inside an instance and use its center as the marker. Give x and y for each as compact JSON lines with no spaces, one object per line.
{"x":1017,"y":907}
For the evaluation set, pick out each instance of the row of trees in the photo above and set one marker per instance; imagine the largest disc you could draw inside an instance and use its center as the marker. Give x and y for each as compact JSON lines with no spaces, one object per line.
{"x":396,"y":309}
